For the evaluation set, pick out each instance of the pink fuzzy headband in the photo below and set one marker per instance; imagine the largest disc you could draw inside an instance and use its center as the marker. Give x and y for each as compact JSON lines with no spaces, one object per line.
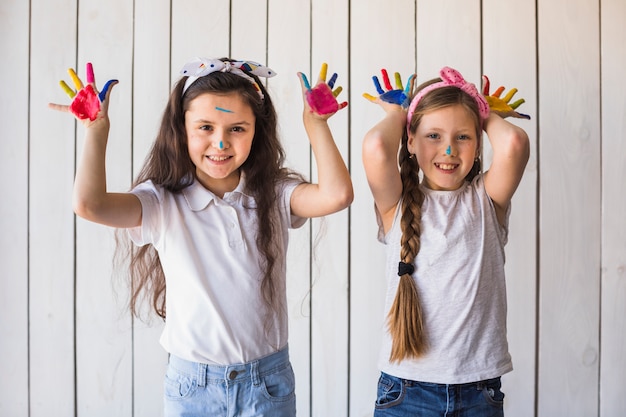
{"x":450,"y":78}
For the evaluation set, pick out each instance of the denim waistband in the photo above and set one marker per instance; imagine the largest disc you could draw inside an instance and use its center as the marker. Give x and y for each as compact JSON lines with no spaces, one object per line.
{"x":232,"y":373}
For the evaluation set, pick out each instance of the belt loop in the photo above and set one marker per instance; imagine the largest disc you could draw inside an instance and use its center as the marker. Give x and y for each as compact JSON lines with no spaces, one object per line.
{"x":254,"y":373}
{"x":201,"y":374}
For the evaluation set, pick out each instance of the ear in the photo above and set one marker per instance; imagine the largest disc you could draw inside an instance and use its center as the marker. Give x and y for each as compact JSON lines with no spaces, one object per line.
{"x":410,"y":143}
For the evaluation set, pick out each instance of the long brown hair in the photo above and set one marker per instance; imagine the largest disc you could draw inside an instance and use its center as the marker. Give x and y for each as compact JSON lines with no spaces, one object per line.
{"x":405,"y":318}
{"x":168,"y":164}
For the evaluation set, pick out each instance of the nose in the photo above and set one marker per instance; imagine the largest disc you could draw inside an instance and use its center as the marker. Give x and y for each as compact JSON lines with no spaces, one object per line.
{"x":449,"y":151}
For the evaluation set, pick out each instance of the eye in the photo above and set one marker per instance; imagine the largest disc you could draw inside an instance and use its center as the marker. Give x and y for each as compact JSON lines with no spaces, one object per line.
{"x":206,"y":127}
{"x":433,"y":136}
{"x":238,"y":129}
{"x":464,"y":137}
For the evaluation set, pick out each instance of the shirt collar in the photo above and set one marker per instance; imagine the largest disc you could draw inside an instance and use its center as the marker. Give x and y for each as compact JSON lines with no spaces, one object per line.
{"x":198,"y":197}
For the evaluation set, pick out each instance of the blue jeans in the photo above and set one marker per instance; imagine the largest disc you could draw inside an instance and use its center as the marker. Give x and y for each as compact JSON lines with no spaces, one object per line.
{"x":401,"y":397}
{"x":265,"y":387}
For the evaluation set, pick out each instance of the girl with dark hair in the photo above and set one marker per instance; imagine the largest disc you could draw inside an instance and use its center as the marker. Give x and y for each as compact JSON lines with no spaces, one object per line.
{"x":209,"y":214}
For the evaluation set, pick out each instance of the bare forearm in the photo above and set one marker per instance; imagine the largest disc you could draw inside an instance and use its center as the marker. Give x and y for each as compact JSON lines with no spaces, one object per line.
{"x":333,"y":177}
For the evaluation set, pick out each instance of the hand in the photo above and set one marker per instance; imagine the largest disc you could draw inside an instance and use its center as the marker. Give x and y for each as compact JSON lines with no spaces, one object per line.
{"x":501,"y":106}
{"x":398,"y":96}
{"x":86,"y":101}
{"x":322,"y":99}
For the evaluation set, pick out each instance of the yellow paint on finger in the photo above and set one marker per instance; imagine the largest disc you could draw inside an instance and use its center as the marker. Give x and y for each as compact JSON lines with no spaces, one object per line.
{"x":77,"y":82}
{"x":510,"y":95}
{"x":399,"y":85}
{"x":337,"y":91}
{"x":67,"y":89}
{"x":323,"y":71}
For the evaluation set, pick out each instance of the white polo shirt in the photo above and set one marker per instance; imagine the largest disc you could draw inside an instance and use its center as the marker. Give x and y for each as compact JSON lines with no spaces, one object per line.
{"x":207,"y":247}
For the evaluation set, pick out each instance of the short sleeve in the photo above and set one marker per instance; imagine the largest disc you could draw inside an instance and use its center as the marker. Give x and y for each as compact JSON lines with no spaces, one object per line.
{"x":149,"y":230}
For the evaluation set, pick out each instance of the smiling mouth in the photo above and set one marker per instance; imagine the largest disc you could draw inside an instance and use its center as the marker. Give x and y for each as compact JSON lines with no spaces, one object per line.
{"x":446,"y":167}
{"x":218,"y":158}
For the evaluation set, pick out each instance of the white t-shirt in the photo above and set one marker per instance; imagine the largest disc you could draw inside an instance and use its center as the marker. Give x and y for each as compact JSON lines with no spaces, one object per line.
{"x":207,"y":248}
{"x":459,"y":272}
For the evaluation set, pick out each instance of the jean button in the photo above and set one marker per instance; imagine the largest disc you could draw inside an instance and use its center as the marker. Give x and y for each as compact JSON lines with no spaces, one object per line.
{"x":232,"y":375}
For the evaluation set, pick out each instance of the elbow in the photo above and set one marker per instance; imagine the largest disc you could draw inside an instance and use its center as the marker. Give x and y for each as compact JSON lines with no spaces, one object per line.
{"x":520,"y":145}
{"x":85,"y":208}
{"x":346,"y":197}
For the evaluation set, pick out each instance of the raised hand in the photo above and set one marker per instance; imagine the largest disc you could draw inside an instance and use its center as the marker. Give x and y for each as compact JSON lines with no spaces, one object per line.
{"x":400,"y":95}
{"x":322,"y":99}
{"x":86,"y":101}
{"x":501,"y":106}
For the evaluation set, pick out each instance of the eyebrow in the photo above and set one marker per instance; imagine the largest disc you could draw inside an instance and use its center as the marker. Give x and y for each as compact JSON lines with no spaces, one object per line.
{"x":205,"y":121}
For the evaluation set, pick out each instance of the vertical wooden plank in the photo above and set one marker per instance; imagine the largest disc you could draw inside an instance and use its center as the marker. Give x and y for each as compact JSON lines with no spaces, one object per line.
{"x":570,"y":184}
{"x":199,"y":28}
{"x":288,"y":52}
{"x":329,"y":290}
{"x":448,"y":33}
{"x":103,"y":325}
{"x":516,"y":67}
{"x":151,"y":88}
{"x":249,"y":31}
{"x":613,"y":343}
{"x":14,"y":41}
{"x":379,"y":38}
{"x":51,"y":220}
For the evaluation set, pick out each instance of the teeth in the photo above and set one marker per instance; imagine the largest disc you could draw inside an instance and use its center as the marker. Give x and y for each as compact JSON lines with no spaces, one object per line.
{"x":218,"y":158}
{"x":446,"y":166}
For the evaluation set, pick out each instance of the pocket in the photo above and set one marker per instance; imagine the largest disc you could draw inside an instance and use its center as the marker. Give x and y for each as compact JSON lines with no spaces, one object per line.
{"x":178,"y":385}
{"x":280,"y":385}
{"x":493,"y":393}
{"x":390,"y":391}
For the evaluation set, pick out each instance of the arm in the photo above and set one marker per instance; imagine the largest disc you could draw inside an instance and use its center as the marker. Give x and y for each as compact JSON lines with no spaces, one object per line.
{"x":380,"y":160}
{"x":90,"y":197}
{"x":333,"y":192}
{"x":511,"y":150}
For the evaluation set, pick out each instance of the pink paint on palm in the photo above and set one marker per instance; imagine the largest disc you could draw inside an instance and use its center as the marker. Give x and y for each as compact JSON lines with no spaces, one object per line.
{"x":321,"y":100}
{"x":86,"y":104}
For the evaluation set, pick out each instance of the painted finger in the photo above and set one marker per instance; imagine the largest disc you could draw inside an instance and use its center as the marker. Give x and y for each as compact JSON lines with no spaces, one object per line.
{"x":343,"y":105}
{"x":517,"y":103}
{"x":103,"y":94}
{"x":77,"y":82}
{"x":369,"y":97}
{"x":67,"y":89}
{"x":90,"y":77}
{"x":305,"y":81}
{"x":377,"y":85}
{"x":323,"y":72}
{"x":398,"y":81}
{"x":510,"y":95}
{"x":386,"y":79}
{"x":485,"y":85}
{"x":333,"y":79}
{"x":498,"y":91}
{"x":337,"y":91}
{"x":409,"y":85}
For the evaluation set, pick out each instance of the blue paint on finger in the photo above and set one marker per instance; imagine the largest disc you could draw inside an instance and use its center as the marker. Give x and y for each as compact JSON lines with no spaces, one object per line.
{"x":333,"y":79}
{"x":103,"y":94}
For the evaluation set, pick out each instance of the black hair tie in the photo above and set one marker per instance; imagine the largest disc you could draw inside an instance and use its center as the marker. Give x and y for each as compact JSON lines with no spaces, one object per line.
{"x":404,"y":268}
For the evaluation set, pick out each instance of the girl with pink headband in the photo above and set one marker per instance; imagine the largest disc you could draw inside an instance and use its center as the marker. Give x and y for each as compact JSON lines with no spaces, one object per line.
{"x":444,"y":224}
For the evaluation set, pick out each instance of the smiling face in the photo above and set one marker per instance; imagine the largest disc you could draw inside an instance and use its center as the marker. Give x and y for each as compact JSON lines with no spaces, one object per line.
{"x":220,"y":129}
{"x":445,"y":144}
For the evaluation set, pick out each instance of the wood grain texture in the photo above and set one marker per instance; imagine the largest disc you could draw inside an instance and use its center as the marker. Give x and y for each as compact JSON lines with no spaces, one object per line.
{"x":565,"y":256}
{"x":569,"y":209}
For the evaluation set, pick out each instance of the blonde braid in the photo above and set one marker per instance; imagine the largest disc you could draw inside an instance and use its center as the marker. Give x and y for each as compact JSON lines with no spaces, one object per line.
{"x":405,"y":317}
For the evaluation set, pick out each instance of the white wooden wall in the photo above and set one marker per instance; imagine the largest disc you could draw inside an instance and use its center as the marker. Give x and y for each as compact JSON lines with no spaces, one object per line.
{"x":69,"y":348}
